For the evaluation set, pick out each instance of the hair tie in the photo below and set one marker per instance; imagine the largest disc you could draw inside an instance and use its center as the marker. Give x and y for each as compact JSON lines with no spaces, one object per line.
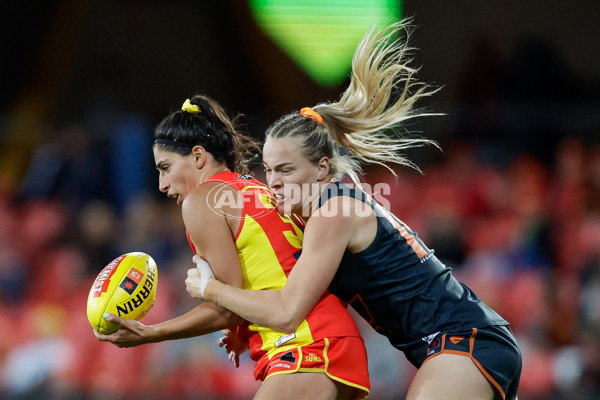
{"x":191,"y":108}
{"x":310,"y":113}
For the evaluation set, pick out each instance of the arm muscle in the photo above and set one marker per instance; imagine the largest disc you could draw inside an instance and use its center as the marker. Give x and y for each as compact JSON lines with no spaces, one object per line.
{"x":285,"y":309}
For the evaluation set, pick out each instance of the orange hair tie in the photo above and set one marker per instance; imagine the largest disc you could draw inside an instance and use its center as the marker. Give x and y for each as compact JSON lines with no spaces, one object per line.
{"x":310,"y":113}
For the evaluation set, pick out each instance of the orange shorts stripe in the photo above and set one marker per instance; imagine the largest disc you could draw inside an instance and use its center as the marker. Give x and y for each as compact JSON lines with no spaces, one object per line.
{"x":457,"y":339}
{"x":343,"y":359}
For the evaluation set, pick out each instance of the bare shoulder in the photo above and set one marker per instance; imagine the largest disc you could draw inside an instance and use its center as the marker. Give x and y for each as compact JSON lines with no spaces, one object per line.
{"x":217,"y":196}
{"x":213,"y":202}
{"x":350,"y":219}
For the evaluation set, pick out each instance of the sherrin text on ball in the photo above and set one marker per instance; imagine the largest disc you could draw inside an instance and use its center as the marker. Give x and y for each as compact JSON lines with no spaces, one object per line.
{"x":126,"y":287}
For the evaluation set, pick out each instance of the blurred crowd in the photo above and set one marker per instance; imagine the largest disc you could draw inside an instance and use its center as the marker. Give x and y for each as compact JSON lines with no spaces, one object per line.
{"x":525,"y":235}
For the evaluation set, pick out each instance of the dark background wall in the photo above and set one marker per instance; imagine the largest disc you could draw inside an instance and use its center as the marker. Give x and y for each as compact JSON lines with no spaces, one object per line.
{"x":145,"y":56}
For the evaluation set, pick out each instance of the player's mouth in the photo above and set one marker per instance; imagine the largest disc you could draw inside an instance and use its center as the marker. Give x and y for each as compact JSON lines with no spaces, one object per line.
{"x":280,"y":199}
{"x":178,"y":199}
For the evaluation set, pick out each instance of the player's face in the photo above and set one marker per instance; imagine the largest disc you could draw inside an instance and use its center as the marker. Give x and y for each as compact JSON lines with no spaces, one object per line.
{"x":293,"y":178}
{"x":177,"y":174}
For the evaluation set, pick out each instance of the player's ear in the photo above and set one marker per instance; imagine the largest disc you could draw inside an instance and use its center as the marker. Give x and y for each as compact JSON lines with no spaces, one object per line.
{"x":323,"y":168}
{"x":199,"y":154}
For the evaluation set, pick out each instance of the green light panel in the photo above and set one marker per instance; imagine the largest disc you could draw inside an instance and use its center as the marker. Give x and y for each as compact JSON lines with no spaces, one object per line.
{"x":321,"y":35}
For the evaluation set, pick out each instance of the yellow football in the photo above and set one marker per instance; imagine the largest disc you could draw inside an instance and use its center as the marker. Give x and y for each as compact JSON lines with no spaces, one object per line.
{"x":126,"y":287}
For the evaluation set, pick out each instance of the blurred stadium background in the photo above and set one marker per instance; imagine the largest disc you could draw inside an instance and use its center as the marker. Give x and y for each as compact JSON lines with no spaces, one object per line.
{"x":512,"y":204}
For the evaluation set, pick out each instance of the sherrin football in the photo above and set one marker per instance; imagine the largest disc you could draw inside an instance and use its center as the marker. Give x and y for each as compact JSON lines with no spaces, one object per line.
{"x":126,"y":287}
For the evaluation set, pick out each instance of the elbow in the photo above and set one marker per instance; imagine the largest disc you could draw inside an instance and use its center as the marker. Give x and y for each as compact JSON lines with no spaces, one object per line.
{"x":233,"y":319}
{"x":289,"y":322}
{"x":290,"y":316}
{"x":289,"y":327}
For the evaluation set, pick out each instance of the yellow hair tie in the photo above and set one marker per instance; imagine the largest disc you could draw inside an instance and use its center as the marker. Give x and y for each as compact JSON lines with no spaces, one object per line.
{"x":310,"y":113}
{"x":191,"y":108}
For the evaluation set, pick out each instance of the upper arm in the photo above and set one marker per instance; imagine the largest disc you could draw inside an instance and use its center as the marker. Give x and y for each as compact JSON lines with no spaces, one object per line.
{"x":213,"y":240}
{"x":212,"y":236}
{"x":326,"y":238}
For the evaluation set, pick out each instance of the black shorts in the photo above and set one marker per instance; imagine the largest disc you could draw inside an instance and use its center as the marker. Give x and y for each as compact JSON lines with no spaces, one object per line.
{"x":493,"y":349}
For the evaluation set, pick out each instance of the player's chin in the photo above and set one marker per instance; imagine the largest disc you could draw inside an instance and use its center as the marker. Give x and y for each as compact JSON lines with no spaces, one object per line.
{"x":280,"y":207}
{"x":285,"y":207}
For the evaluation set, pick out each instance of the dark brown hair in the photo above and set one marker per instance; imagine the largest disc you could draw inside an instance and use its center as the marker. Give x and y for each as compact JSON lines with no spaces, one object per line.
{"x":210,"y":128}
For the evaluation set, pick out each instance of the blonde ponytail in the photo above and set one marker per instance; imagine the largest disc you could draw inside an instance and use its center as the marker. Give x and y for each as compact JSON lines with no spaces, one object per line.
{"x":367,"y":121}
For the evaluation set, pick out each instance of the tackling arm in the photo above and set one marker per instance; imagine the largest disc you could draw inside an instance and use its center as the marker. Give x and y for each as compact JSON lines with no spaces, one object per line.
{"x":285,"y":309}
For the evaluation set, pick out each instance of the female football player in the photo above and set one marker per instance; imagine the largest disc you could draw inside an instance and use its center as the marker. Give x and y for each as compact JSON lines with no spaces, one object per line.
{"x":356,"y":249}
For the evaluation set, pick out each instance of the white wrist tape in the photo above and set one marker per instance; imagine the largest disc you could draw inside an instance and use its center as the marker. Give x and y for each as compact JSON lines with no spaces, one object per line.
{"x":206,"y":274}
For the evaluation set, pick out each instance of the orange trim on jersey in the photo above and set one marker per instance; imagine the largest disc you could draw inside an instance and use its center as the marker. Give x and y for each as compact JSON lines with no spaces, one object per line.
{"x":410,"y":239}
{"x":357,"y":297}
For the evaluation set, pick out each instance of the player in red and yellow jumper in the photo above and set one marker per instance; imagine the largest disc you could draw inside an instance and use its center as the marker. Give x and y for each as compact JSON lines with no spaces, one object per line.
{"x":231,"y":221}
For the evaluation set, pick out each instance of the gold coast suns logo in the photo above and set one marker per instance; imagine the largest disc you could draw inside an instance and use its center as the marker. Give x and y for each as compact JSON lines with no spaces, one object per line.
{"x":312,"y":357}
{"x":255,"y":201}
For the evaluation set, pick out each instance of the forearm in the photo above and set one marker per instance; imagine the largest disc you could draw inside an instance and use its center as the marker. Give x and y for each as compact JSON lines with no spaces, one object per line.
{"x":263,"y":307}
{"x":205,"y":318}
